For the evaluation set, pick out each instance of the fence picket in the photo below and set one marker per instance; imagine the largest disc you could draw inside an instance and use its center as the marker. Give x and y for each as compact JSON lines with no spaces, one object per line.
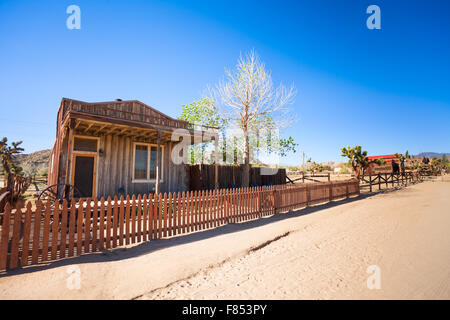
{"x":144,"y":218}
{"x":46,"y":233}
{"x":64,"y":214}
{"x":190,"y":206}
{"x":139,"y":219}
{"x":184,"y":205}
{"x":155,"y":217}
{"x":121,"y":220}
{"x":133,"y":219}
{"x":180,"y":212}
{"x":5,"y":237}
{"x":127,"y":220}
{"x":72,"y":217}
{"x":115,"y":222}
{"x":108,"y":223}
{"x":14,"y":257}
{"x":80,"y":226}
{"x":87,"y":226}
{"x":26,"y":236}
{"x":160,"y":216}
{"x":101,"y":229}
{"x":196,"y":201}
{"x":37,"y":217}
{"x":95,"y":225}
{"x":169,"y":212}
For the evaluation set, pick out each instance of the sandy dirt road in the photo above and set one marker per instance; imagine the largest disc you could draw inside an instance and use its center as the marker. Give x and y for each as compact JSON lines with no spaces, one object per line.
{"x":315,"y":253}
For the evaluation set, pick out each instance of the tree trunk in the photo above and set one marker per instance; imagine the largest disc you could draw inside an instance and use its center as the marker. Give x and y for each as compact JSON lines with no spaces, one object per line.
{"x":246,"y":173}
{"x":9,"y":178}
{"x":10,"y":188}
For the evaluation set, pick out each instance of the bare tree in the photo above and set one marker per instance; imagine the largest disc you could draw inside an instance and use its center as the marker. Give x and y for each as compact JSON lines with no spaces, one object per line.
{"x":247,"y":97}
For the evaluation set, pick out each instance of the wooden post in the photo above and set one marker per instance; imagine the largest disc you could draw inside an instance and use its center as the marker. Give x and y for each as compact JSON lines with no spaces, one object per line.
{"x":158,"y":164}
{"x":69,"y":150}
{"x":329,"y":177}
{"x":386,"y":180}
{"x":370,"y":182}
{"x":216,"y":163}
{"x":379,"y":182}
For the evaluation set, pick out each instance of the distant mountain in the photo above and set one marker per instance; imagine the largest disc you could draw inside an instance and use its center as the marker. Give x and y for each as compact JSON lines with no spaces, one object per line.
{"x":431,"y":155}
{"x":36,"y":162}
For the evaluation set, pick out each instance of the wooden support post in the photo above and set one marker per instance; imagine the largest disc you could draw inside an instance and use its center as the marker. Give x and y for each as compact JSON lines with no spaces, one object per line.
{"x":379,"y":182}
{"x":386,"y":180}
{"x":158,"y":164}
{"x":69,"y":150}
{"x":329,"y":179}
{"x":370,"y":183}
{"x":216,"y":163}
{"x":392,"y":174}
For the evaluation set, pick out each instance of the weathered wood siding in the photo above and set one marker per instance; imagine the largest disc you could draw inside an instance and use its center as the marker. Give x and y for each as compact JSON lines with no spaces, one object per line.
{"x":115,"y":169}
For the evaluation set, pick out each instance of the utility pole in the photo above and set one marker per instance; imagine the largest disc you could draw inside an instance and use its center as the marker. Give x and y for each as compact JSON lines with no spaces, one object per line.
{"x":303,"y":161}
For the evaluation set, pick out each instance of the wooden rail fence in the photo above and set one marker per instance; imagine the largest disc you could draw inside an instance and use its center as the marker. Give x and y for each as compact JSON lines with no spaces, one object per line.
{"x":388,"y":179}
{"x":50,"y":231}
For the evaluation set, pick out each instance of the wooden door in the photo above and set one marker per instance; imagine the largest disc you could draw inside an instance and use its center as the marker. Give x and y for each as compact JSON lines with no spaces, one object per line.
{"x":83,"y":174}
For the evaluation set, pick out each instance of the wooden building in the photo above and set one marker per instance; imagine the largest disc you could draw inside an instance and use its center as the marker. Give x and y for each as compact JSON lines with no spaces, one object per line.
{"x":391,"y":164}
{"x":117,"y":148}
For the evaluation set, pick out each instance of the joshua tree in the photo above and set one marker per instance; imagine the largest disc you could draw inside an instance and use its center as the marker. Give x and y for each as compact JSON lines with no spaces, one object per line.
{"x":358,"y":159}
{"x":10,"y":168}
{"x":402,"y":158}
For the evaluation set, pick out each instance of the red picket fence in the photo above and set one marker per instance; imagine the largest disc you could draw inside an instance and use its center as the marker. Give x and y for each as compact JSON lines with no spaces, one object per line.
{"x":51,"y":231}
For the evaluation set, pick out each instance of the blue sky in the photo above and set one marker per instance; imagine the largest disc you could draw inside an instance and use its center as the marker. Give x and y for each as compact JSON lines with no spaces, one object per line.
{"x":387,"y":90}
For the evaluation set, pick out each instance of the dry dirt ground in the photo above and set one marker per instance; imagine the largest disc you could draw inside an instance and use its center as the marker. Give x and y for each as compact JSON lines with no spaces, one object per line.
{"x":316,"y":253}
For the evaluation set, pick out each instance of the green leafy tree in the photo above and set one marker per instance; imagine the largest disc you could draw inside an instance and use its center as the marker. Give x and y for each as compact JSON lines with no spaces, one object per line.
{"x":201,"y":113}
{"x":358,"y":159}
{"x":287,"y":145}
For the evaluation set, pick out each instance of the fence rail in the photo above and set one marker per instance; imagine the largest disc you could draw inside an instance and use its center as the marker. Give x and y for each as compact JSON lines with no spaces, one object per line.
{"x":386,"y":179}
{"x":51,"y":231}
